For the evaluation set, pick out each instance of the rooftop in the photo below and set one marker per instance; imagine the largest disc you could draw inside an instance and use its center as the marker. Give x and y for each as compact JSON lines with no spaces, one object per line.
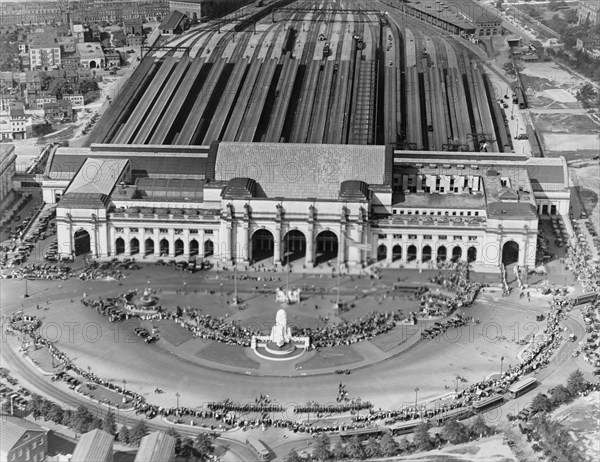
{"x":156,"y":447}
{"x":172,"y":20}
{"x":12,"y":431}
{"x":93,"y":446}
{"x":90,"y":50}
{"x":97,"y":176}
{"x":299,"y":171}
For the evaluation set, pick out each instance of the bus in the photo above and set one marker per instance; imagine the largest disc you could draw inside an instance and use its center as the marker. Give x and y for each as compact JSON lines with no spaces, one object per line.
{"x":522,"y":387}
{"x":404,"y":428}
{"x":488,"y":403}
{"x":259,"y":448}
{"x":361,"y":433}
{"x":460,"y":413}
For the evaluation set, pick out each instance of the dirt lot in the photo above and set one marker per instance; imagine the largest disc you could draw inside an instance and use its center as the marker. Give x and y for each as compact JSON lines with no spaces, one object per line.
{"x":586,"y":173}
{"x":581,"y":417}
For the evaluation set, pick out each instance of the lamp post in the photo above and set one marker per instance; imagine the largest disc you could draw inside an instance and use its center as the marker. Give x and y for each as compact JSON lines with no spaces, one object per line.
{"x":124,"y":385}
{"x":416,"y":395}
{"x":457,"y":379}
{"x":26,"y":290}
{"x":177,"y":396}
{"x":501,"y":364}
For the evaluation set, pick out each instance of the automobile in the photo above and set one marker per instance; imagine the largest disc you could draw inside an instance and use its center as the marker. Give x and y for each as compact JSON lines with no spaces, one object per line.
{"x":151,"y":339}
{"x":583,"y":215}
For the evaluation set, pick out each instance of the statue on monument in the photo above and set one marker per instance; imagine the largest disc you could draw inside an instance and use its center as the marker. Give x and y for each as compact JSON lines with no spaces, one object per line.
{"x":280,"y":332}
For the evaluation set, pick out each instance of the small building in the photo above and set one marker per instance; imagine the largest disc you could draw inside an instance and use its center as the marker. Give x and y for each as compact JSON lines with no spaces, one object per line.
{"x":91,"y":55}
{"x":7,"y":172}
{"x":38,"y":101}
{"x":44,"y":54}
{"x":135,"y":40}
{"x":78,"y":31}
{"x":13,"y":122}
{"x":173,"y":24}
{"x":76,"y":99}
{"x":191,"y":8}
{"x":71,"y":60}
{"x":113,"y":58}
{"x":156,"y":447}
{"x":588,"y":11}
{"x":133,"y":27}
{"x":94,"y":446}
{"x":590,"y":45}
{"x":61,"y":111}
{"x":22,"y":440}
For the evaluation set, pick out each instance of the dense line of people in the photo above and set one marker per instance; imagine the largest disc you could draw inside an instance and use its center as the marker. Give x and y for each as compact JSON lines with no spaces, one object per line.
{"x":580,"y":262}
{"x":538,"y":357}
{"x":315,"y":408}
{"x":41,"y":271}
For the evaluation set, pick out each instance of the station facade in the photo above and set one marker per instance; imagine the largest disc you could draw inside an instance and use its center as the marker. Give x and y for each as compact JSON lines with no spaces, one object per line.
{"x":346,"y":204}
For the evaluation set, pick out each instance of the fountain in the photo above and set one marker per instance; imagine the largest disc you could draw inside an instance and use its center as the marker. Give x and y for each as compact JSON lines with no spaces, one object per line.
{"x":280,"y":345}
{"x":147,"y":299}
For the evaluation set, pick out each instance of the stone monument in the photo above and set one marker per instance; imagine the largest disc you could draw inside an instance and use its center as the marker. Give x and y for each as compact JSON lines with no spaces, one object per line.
{"x":280,"y":344}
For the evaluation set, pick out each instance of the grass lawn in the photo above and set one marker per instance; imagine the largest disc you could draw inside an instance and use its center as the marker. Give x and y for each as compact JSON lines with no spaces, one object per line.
{"x":173,"y":332}
{"x":231,"y":355}
{"x":43,"y":358}
{"x":102,"y":394}
{"x":395,"y":337}
{"x":332,"y":357}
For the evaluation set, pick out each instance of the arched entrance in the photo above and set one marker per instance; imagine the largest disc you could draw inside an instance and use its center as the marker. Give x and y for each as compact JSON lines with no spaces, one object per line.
{"x":119,"y":246}
{"x":396,"y":253}
{"x":442,"y":253}
{"x":262,"y":245}
{"x":510,"y":253}
{"x":82,"y":242}
{"x":456,"y":253}
{"x":327,"y":247}
{"x":178,"y":247}
{"x":209,"y":248}
{"x":164,"y":248}
{"x":149,"y":246}
{"x":426,"y":253}
{"x":294,"y":246}
{"x":194,"y":248}
{"x":411,"y":254}
{"x":381,"y":252}
{"x":134,"y":245}
{"x":471,"y":254}
{"x":93,"y":65}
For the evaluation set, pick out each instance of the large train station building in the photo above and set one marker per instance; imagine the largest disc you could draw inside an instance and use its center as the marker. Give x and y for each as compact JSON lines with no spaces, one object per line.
{"x":352,"y":205}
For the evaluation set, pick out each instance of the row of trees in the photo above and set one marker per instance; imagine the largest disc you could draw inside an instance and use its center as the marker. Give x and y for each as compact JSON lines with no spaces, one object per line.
{"x":453,"y":432}
{"x":560,"y":394}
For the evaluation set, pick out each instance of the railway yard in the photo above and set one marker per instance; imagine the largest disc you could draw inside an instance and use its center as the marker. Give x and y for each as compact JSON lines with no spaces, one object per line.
{"x":309,"y":72}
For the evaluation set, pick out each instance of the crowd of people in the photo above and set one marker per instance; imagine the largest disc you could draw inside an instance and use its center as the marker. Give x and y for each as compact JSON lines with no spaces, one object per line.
{"x":458,"y":320}
{"x":465,"y":292}
{"x":591,"y":349}
{"x":538,"y":357}
{"x":581,"y":263}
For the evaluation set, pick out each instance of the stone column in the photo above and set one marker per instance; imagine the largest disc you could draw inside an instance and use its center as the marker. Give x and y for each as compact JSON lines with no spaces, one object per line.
{"x":277,"y":244}
{"x":127,"y":239}
{"x":242,"y":250}
{"x":310,"y":252}
{"x":171,"y":243}
{"x":225,"y":242}
{"x":156,"y":242}
{"x":389,"y":257}
{"x":186,"y":243}
{"x":142,"y":242}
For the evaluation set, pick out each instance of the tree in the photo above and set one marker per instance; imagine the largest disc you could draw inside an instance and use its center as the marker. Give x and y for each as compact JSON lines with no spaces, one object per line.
{"x":455,"y":432}
{"x":187,"y":448}
{"x":59,"y":87}
{"x":355,"y":449}
{"x":404,"y":445}
{"x":479,"y":427}
{"x":124,"y":434}
{"x":541,"y":403}
{"x":321,"y":451}
{"x":576,"y":383}
{"x":172,"y":432}
{"x":422,"y":439}
{"x":587,"y":96}
{"x":388,"y":445}
{"x":293,"y":456}
{"x":570,"y":16}
{"x":339,"y":451}
{"x":55,"y":414}
{"x":82,"y":420}
{"x":109,"y":424}
{"x":204,"y":447}
{"x":87,"y":85}
{"x":139,"y":431}
{"x":372,"y":448}
{"x":560,"y":395}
